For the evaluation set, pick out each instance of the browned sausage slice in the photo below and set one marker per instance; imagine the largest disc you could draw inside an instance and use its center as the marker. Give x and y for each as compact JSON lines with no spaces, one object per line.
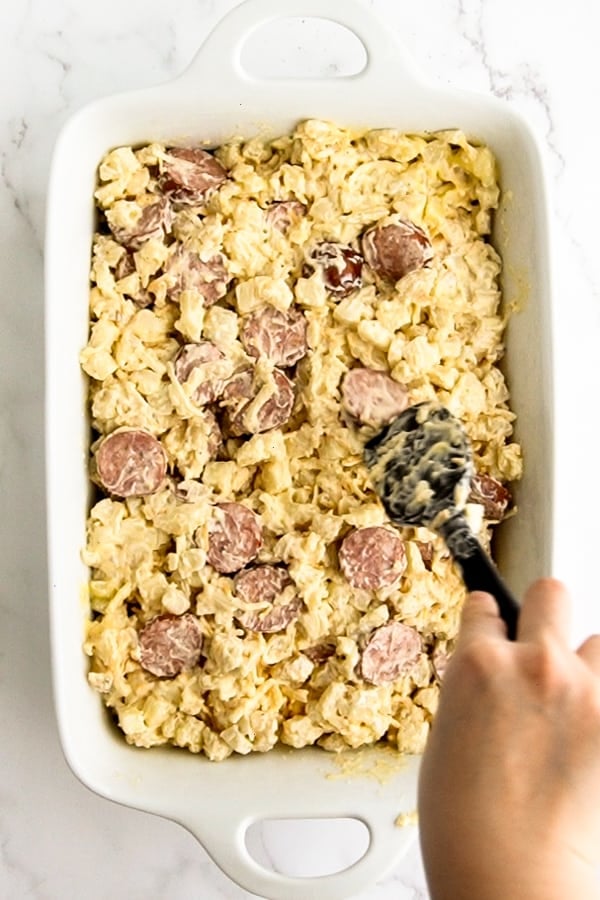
{"x":125,"y":266}
{"x":200,"y":358}
{"x":255,"y":404}
{"x":426,"y":551}
{"x":281,"y":214}
{"x":235,"y":537}
{"x":391,"y":651}
{"x":372,"y":558}
{"x":214,"y":437}
{"x":188,"y":272}
{"x":492,"y":495}
{"x":154,"y":221}
{"x":395,"y":249}
{"x":131,"y":463}
{"x":373,"y":397}
{"x":191,"y":175}
{"x":340,"y":266}
{"x":170,"y":644}
{"x":266,"y":584}
{"x":280,"y":336}
{"x":320,"y":653}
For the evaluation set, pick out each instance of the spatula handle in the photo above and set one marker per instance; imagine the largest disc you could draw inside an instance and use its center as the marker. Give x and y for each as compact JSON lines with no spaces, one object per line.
{"x":479,"y":572}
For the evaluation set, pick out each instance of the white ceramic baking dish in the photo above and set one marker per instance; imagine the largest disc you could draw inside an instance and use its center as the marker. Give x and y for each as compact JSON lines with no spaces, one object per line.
{"x":218,"y":801}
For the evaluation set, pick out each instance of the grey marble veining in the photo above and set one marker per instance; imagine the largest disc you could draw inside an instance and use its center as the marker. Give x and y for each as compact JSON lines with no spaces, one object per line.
{"x":57,"y":840}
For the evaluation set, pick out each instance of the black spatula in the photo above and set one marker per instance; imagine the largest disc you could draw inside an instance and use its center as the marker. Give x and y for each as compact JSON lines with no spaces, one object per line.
{"x":421,"y":467}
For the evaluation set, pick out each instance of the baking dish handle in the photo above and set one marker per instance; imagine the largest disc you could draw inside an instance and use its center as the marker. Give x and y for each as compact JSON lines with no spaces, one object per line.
{"x":220,"y":54}
{"x":223,"y":837}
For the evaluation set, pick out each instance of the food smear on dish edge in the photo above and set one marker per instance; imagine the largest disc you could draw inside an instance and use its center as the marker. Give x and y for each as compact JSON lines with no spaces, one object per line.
{"x":258,"y":312}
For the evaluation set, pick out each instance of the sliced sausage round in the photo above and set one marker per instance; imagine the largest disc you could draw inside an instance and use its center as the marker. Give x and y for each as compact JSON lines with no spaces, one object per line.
{"x":390,"y":652}
{"x":191,"y":175}
{"x":131,"y":463}
{"x":235,"y":537}
{"x":340,"y":266}
{"x":373,"y":397}
{"x":261,"y":583}
{"x":239,"y":387}
{"x":188,"y":272}
{"x":170,"y":644}
{"x":255,"y":405}
{"x":492,"y":495}
{"x":372,"y":558}
{"x":153,"y":221}
{"x":395,"y":249}
{"x":281,"y":214}
{"x":200,"y":359}
{"x":266,"y":584}
{"x":280,"y":336}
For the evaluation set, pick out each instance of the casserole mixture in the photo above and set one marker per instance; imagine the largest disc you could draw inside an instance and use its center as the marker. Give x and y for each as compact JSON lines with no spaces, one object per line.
{"x":257,"y":312}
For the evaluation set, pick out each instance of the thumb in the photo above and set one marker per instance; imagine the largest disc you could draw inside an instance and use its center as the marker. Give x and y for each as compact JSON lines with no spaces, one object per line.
{"x":480,"y":618}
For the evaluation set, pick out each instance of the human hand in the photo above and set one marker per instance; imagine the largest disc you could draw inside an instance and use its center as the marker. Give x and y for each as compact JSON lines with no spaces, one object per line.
{"x":509,"y":791}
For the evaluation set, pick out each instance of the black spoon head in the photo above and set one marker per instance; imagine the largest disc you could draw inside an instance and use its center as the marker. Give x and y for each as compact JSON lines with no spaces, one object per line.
{"x":421,"y":465}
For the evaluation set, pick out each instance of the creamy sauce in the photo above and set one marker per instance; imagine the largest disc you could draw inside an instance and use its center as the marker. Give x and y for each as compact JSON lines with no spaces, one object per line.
{"x":381,"y":764}
{"x":304,"y":476}
{"x":421,"y":466}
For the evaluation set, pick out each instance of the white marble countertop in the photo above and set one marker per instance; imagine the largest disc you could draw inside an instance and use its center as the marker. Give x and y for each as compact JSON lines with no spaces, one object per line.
{"x":58,"y":841}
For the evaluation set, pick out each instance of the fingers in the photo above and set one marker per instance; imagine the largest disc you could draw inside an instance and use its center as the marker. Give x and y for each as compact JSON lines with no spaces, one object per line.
{"x":590,"y":653}
{"x":480,"y":618}
{"x":545,"y":611}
